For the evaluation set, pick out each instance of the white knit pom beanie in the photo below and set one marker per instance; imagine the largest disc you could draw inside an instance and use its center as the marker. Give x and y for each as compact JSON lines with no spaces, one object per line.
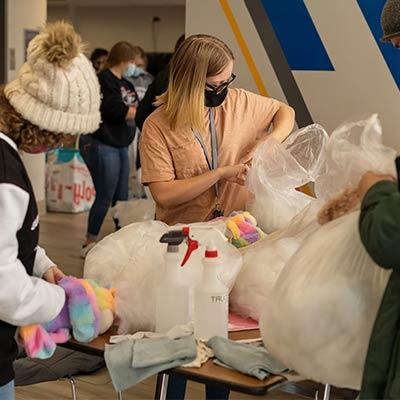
{"x":57,"y":88}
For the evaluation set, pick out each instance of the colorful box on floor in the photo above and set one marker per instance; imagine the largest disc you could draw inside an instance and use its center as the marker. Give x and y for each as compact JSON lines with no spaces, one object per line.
{"x":69,"y":186}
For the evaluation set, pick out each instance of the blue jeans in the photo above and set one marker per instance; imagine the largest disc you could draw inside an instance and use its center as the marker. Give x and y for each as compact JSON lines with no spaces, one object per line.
{"x":109,"y":168}
{"x":7,"y":391}
{"x":177,"y":388}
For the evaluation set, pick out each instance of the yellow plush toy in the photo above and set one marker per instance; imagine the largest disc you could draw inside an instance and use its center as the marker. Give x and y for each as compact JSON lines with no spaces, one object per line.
{"x":243,"y":230}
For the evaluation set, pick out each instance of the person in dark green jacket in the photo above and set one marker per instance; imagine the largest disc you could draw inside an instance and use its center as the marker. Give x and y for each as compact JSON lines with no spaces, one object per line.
{"x":380,"y":234}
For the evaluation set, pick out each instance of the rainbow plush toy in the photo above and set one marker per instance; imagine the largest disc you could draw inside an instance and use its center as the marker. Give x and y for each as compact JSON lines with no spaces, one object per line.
{"x":243,"y":230}
{"x":88,"y":312}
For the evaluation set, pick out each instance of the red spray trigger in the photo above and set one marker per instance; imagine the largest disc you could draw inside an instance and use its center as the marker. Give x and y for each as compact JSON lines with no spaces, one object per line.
{"x":192,"y":245}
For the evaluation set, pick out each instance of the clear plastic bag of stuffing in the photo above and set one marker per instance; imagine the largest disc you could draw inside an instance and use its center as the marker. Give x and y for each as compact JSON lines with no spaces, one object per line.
{"x":134,"y":210}
{"x":353,"y":149}
{"x":278,"y":169}
{"x":132,"y":261}
{"x":323,"y":306}
{"x":264,"y":261}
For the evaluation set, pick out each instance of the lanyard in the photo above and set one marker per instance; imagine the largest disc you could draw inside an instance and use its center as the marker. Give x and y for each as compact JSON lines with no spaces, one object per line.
{"x":213,"y":163}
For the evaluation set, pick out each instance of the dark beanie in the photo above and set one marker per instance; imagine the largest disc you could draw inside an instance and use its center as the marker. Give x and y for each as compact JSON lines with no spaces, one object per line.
{"x":390,"y":20}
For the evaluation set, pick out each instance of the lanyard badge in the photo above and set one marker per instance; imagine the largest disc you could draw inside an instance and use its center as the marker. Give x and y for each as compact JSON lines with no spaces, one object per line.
{"x":218,"y":212}
{"x":213,"y":162}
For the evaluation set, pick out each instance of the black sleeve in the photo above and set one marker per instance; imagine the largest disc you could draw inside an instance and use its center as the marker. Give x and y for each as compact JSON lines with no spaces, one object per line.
{"x":112,"y":107}
{"x":145,"y":106}
{"x":156,"y":88}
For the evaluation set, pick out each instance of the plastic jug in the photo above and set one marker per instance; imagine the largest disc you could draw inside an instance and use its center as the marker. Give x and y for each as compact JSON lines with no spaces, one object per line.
{"x":172,"y":303}
{"x":211,"y":300}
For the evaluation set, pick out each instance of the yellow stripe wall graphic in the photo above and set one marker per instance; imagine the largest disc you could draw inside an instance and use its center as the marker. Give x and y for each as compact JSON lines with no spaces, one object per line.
{"x":243,"y":47}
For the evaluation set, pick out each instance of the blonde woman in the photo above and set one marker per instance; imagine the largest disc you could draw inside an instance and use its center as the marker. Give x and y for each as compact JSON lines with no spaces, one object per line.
{"x":195,"y":146}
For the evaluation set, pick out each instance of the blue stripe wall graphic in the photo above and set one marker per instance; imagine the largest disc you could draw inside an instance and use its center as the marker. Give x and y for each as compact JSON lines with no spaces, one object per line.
{"x":372,"y":13}
{"x":279,"y":61}
{"x":297,"y":35}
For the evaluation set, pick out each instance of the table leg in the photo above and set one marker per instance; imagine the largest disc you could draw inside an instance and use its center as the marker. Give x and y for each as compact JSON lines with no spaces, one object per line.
{"x":73,"y":388}
{"x":327,"y":392}
{"x":161,"y":387}
{"x":119,"y":395}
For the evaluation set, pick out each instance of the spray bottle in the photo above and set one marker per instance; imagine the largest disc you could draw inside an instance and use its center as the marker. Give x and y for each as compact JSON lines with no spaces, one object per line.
{"x":211,"y":296}
{"x":172,"y":302}
{"x":173,"y":294}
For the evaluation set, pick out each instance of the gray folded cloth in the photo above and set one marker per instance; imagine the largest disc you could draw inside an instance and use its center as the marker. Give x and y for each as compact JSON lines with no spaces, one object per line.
{"x":246,"y":358}
{"x":131,"y":361}
{"x":160,"y":351}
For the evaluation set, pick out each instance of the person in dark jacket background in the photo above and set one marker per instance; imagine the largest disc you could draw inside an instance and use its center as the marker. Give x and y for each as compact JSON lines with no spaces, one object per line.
{"x":141,"y":79}
{"x":106,"y":151}
{"x":156,"y":88}
{"x":99,"y":59}
{"x":380,"y":233}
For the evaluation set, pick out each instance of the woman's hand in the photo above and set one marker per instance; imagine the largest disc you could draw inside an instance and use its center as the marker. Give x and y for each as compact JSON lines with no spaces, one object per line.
{"x":234,"y":173}
{"x":369,"y":179}
{"x":248,"y":158}
{"x":53,"y":275}
{"x":180,"y":191}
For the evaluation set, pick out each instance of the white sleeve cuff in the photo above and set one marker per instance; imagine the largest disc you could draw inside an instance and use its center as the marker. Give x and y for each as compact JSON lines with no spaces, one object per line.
{"x":27,"y":300}
{"x":42,"y":262}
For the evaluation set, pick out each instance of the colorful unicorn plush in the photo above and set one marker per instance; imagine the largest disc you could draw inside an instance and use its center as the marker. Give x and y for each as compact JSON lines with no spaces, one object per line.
{"x":243,"y":230}
{"x":88,"y":312}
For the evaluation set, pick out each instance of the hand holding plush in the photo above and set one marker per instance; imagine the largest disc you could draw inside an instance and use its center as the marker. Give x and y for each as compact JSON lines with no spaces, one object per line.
{"x":88,"y":311}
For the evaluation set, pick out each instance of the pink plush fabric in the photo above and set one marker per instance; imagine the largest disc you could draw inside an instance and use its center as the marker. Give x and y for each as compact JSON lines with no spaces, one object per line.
{"x":80,"y":314}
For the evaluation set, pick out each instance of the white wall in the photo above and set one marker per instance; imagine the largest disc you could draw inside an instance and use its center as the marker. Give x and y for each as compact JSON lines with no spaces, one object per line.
{"x":104,"y":26}
{"x":31,"y":15}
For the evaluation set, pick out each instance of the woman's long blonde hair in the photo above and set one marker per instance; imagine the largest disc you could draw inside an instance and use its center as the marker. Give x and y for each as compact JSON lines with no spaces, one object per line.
{"x":198,"y":57}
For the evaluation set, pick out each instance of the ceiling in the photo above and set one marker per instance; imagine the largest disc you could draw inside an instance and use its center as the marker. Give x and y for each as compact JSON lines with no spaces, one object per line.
{"x":119,"y":3}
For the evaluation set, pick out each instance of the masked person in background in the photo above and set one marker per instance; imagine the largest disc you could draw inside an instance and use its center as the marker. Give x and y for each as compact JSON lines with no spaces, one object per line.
{"x":195,"y":145}
{"x":139,"y":76}
{"x":56,"y":93}
{"x":141,"y":79}
{"x":106,"y":151}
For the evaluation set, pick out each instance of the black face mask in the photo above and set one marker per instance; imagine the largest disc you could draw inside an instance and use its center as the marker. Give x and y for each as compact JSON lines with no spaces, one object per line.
{"x":213,"y":99}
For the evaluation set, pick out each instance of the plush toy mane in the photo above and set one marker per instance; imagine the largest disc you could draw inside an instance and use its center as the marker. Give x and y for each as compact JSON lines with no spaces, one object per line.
{"x":344,"y":203}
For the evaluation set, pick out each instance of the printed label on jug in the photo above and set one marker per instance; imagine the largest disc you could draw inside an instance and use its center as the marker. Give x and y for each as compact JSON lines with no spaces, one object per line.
{"x":219,"y":299}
